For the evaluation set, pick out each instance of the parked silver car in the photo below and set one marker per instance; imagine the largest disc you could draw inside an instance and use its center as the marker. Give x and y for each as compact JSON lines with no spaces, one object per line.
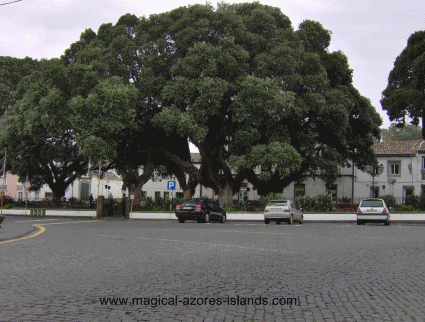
{"x":373,"y":210}
{"x":283,"y":210}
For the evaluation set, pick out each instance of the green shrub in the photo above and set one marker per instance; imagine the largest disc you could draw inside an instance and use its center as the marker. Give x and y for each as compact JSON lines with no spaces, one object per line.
{"x":390,"y":201}
{"x":413,"y":201}
{"x":149,"y":204}
{"x":422,"y":202}
{"x":159,"y":208}
{"x":320,"y":203}
{"x":8,"y":200}
{"x":345,"y":200}
{"x":264,"y":200}
{"x":240,"y":205}
{"x":7,"y":206}
{"x":407,"y":208}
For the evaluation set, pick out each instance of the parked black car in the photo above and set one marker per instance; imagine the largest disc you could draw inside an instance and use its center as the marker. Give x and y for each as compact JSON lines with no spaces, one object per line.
{"x":201,"y":210}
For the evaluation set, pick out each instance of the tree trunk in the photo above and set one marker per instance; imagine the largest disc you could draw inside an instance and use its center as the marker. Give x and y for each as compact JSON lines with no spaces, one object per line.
{"x":187,"y":194}
{"x":226,"y":196}
{"x":137,"y":191}
{"x":58,"y":193}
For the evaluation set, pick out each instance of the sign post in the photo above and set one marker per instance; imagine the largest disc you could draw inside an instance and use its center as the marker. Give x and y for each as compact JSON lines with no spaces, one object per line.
{"x":131,"y":206}
{"x":171,"y":185}
{"x":4,"y":182}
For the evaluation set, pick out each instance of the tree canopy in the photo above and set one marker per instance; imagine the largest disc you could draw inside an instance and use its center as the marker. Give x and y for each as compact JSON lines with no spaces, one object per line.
{"x":12,"y":70}
{"x":60,"y":117}
{"x":405,"y":92}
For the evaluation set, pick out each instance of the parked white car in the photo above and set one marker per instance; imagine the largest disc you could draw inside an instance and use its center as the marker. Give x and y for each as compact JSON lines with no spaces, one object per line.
{"x":373,"y":210}
{"x":283,"y":210}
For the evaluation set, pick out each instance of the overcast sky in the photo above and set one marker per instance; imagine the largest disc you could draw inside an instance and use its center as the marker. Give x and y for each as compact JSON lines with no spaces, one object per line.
{"x":372,"y":33}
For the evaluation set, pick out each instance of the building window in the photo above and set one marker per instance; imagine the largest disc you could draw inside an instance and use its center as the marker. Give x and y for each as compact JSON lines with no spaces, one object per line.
{"x":299,"y":190}
{"x":179,"y":195}
{"x":157,"y":195}
{"x":47,"y":195}
{"x":394,"y":168}
{"x":374,"y":192}
{"x":3,"y":183}
{"x":332,"y":191}
{"x":20,"y":195}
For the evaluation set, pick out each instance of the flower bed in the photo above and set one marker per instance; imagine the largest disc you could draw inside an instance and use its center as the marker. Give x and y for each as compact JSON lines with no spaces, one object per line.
{"x":348,"y":206}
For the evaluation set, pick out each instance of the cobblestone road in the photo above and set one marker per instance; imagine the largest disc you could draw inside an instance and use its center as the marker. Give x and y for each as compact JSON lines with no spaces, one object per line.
{"x":214,"y":272}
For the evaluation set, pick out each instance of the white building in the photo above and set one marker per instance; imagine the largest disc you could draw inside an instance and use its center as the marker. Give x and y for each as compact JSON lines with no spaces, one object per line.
{"x":403,"y":166}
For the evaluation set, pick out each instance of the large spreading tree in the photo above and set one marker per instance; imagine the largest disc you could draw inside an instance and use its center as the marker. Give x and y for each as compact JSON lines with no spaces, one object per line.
{"x":405,"y":93}
{"x":138,"y":60}
{"x":251,"y":92}
{"x":60,"y":117}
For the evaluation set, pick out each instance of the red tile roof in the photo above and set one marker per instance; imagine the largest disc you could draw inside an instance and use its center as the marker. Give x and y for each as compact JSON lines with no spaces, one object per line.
{"x":398,"y":147}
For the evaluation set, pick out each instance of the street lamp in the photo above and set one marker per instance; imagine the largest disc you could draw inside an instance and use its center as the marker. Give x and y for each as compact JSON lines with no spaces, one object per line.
{"x":374,"y":171}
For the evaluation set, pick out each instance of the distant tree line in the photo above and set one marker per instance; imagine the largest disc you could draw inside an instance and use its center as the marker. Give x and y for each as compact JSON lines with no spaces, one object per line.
{"x":397,"y":132}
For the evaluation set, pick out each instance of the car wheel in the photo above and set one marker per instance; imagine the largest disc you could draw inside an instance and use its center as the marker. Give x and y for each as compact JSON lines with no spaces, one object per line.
{"x":181,"y":220}
{"x":278,"y":222}
{"x":291,"y":220}
{"x":267,"y":221}
{"x":207,"y":217}
{"x":301,"y":220}
{"x":359,"y":222}
{"x":387,"y":223}
{"x":223,"y":219}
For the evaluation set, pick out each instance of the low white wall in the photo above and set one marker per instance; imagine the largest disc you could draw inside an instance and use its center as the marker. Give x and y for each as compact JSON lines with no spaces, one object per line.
{"x":57,"y":213}
{"x":330,"y":217}
{"x":230,"y":216}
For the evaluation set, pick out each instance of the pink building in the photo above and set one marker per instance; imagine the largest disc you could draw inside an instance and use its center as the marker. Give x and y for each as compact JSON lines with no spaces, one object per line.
{"x":13,"y":188}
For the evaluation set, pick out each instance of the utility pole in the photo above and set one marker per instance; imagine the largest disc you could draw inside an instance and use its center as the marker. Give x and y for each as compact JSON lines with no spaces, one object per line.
{"x":4,"y":182}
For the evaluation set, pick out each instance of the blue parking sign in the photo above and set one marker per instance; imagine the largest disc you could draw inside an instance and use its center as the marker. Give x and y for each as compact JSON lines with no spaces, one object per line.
{"x":171,"y":185}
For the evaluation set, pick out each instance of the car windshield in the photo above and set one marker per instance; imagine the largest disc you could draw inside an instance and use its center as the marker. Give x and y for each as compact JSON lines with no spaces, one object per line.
{"x":194,"y":201}
{"x":277,"y":203}
{"x":372,"y":203}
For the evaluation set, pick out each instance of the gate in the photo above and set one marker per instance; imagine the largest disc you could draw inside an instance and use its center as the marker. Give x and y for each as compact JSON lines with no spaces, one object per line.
{"x":84,"y":191}
{"x":108,"y":208}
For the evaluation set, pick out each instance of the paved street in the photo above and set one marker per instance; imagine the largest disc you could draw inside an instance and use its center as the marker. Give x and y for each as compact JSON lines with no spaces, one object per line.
{"x":86,"y":270}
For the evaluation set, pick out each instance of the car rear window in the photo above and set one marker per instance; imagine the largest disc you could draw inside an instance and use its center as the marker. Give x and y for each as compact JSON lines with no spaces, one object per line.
{"x":277,"y":203}
{"x":194,"y":201}
{"x":372,"y":203}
